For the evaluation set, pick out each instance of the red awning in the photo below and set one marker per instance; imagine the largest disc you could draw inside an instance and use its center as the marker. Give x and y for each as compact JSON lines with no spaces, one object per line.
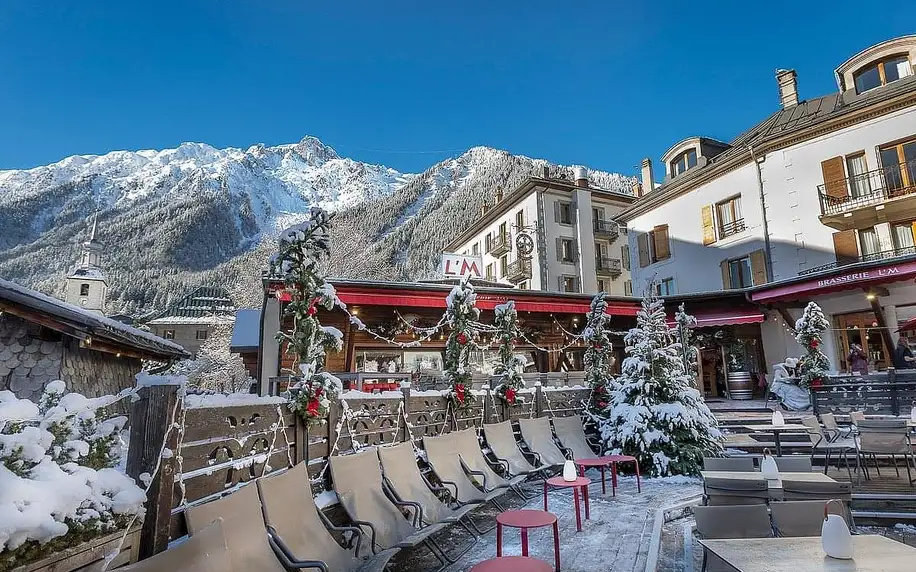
{"x":837,"y":281}
{"x":908,"y":325}
{"x":724,"y":317}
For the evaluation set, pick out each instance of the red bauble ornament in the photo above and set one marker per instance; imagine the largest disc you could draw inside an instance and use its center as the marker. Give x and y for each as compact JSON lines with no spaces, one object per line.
{"x":597,"y":346}
{"x":312,"y":311}
{"x":814,"y":343}
{"x":313,"y":407}
{"x":602,"y":404}
{"x":817,"y":382}
{"x":510,"y":394}
{"x":462,"y":339}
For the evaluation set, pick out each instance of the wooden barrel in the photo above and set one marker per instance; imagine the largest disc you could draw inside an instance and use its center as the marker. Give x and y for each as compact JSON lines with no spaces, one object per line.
{"x":740,"y":384}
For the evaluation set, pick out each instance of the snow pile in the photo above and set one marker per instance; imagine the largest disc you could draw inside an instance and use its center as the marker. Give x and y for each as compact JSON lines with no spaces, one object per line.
{"x":56,"y":469}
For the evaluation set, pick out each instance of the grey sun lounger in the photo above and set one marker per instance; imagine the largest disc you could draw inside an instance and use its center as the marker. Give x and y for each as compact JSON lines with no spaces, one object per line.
{"x":501,"y":441}
{"x":358,"y":482}
{"x":571,"y":436}
{"x":206,"y":551}
{"x":537,"y":435}
{"x":302,"y":530}
{"x":476,"y":464}
{"x":442,"y":454}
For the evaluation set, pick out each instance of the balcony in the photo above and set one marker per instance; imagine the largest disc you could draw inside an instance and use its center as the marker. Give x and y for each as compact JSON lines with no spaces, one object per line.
{"x":608,"y":266}
{"x":729,"y":228}
{"x":519,"y":271}
{"x":499,"y":245}
{"x":860,"y":201}
{"x":884,"y":255}
{"x":607,"y":229}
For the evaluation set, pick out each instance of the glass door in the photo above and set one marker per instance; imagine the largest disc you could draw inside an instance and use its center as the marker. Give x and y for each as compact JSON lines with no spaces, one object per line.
{"x":899,"y":163}
{"x":857,"y":170}
{"x":861,"y":328}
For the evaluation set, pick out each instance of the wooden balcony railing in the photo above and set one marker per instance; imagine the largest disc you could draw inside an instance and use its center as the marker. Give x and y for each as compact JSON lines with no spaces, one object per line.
{"x":606,"y":228}
{"x":519,"y":271}
{"x":608,"y":266}
{"x":870,"y":188}
{"x":501,"y":244}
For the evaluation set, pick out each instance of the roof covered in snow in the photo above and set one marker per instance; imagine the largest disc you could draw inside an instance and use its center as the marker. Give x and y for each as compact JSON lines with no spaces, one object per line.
{"x":83,"y":324}
{"x":201,"y":302}
{"x":246,"y":333}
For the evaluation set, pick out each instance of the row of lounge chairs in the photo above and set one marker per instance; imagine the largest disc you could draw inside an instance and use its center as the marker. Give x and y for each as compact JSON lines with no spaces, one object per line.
{"x":274,"y":524}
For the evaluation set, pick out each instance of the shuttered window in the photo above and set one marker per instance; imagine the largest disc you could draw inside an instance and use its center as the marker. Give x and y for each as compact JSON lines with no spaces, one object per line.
{"x":563,"y":212}
{"x":628,"y":288}
{"x":846,"y":247}
{"x":759,"y":267}
{"x":569,"y":284}
{"x":664,"y":287}
{"x":835,"y":184}
{"x":745,"y":271}
{"x":520,"y":219}
{"x":504,"y":265}
{"x":709,"y":226}
{"x":660,"y":247}
{"x":567,"y":251}
{"x":625,"y":256}
{"x":642,"y":245}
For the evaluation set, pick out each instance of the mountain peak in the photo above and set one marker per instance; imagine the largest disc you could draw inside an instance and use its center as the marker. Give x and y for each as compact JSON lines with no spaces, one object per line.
{"x":313,"y":151}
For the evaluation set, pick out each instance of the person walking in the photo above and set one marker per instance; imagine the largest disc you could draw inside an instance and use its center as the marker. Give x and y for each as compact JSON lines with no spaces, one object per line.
{"x":903,"y":355}
{"x":857,"y":359}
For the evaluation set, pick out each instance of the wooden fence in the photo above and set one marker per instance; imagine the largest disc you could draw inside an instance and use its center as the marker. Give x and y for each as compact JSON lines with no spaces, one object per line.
{"x":222,"y":448}
{"x":884,"y":393}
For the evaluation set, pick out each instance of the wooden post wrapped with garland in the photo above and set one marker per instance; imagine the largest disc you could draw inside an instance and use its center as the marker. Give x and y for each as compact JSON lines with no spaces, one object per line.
{"x":302,"y":248}
{"x":597,"y":359}
{"x":460,"y":315}
{"x":509,"y":367}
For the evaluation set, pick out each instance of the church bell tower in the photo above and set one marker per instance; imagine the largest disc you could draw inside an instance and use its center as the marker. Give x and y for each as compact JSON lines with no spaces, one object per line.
{"x":87,"y":286}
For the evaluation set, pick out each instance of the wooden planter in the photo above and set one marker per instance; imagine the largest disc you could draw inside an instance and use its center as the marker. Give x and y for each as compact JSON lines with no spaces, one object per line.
{"x":740,"y":384}
{"x":89,"y":556}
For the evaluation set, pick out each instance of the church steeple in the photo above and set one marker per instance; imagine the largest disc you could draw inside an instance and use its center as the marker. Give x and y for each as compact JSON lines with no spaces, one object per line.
{"x":87,"y":286}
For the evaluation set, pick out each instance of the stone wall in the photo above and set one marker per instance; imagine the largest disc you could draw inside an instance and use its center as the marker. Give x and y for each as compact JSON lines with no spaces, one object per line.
{"x":31,"y":356}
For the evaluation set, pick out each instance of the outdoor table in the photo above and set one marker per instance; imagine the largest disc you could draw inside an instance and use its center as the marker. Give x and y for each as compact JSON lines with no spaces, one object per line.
{"x":579,"y":483}
{"x":512,"y":564}
{"x":871,"y":553}
{"x":612,"y":460}
{"x":525,"y":519}
{"x":774,"y":487}
{"x":776,"y":430}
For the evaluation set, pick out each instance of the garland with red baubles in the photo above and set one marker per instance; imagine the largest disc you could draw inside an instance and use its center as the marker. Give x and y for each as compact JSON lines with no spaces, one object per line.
{"x":509,"y":368}
{"x":460,"y":315}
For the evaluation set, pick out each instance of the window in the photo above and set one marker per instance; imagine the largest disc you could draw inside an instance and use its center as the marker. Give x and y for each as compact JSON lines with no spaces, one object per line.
{"x":84,"y":289}
{"x":475,"y":249}
{"x":503,"y":230}
{"x":903,"y":238}
{"x":664,"y":287}
{"x":504,"y":265}
{"x":487,"y":242}
{"x":490,"y":271}
{"x":625,"y":256}
{"x":684,"y":161}
{"x":570,"y":283}
{"x":899,"y":164}
{"x":739,"y":273}
{"x":597,"y":214}
{"x":729,"y":215}
{"x":564,"y":213}
{"x":168,"y":334}
{"x":857,"y":171}
{"x":520,"y":219}
{"x":653,"y":246}
{"x":602,"y":285}
{"x":628,"y":288}
{"x":201,"y":334}
{"x":882,"y":72}
{"x":567,"y":250}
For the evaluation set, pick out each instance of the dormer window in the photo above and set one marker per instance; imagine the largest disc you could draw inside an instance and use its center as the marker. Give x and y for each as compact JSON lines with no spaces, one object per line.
{"x":882,"y":72}
{"x":682,"y":162}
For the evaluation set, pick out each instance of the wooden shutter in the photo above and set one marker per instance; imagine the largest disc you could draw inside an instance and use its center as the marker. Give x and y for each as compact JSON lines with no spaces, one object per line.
{"x":560,"y":249}
{"x":759,"y":267}
{"x":726,"y":279}
{"x":573,"y":209}
{"x":845,"y":246}
{"x":575,"y":250}
{"x":642,"y":244}
{"x":556,"y":211}
{"x":709,"y":226}
{"x":625,"y":255}
{"x":834,"y":171}
{"x":662,"y":249}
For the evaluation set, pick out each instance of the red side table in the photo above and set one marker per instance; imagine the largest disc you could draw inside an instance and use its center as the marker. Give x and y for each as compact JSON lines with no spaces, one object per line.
{"x":613,"y":460}
{"x":512,"y":564}
{"x":579,"y":483}
{"x":525,"y":519}
{"x":599,"y":462}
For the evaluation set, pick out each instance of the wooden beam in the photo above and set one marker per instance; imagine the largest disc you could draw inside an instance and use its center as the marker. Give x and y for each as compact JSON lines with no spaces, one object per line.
{"x":790,"y":321}
{"x":882,"y":326}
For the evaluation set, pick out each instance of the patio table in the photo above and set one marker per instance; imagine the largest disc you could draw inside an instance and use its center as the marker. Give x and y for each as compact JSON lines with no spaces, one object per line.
{"x":872,"y":553}
{"x":512,"y":564}
{"x":776,"y":430}
{"x":774,"y":487}
{"x":579,"y":483}
{"x":602,"y":463}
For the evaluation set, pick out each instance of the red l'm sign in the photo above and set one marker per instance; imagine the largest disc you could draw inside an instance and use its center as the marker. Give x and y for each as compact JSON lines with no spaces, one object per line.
{"x":458,"y":265}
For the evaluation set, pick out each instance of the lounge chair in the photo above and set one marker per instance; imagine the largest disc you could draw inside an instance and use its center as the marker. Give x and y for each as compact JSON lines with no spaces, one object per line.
{"x":802,"y":518}
{"x":571,"y":435}
{"x":442,"y":455}
{"x":476,"y":464}
{"x":206,"y":551}
{"x":302,"y":530}
{"x":730,"y":464}
{"x":501,"y":441}
{"x":358,"y":482}
{"x":724,"y":491}
{"x":250,"y":546}
{"x":794,"y":464}
{"x":539,"y":438}
{"x":723,"y":522}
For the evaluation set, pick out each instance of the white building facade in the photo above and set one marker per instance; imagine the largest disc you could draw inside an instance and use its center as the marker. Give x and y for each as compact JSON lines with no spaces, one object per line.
{"x":553,"y":235}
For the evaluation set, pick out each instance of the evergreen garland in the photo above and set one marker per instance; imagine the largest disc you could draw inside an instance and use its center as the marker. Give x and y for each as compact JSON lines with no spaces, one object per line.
{"x":302,"y":248}
{"x":813,"y":366}
{"x":597,"y":359}
{"x":460,"y":314}
{"x":509,"y":366}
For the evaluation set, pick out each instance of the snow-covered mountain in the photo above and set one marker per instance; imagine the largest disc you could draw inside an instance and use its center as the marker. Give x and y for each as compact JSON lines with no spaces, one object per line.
{"x":179,"y":217}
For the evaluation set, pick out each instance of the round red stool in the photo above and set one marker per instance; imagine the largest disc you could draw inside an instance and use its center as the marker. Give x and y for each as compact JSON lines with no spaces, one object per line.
{"x":525,"y":519}
{"x":579,"y":483}
{"x":512,"y":564}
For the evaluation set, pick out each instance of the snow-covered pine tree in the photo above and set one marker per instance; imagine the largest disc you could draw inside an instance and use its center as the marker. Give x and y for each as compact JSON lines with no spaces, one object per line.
{"x":809,"y":331}
{"x":302,"y":249}
{"x":509,"y":366}
{"x":216,"y":368}
{"x":655,"y":415}
{"x":460,"y":314}
{"x":597,"y":359}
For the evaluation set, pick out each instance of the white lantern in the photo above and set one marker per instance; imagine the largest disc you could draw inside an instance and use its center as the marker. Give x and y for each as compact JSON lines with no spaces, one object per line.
{"x":768,"y":467}
{"x":835,"y":536}
{"x":569,"y":472}
{"x":913,"y":413}
{"x":778,"y":419}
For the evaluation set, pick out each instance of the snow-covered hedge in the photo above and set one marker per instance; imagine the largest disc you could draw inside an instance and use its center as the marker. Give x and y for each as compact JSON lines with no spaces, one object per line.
{"x":58,"y":484}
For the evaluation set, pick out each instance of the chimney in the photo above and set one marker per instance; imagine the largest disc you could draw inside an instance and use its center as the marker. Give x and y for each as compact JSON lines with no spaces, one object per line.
{"x":581,"y":177}
{"x":545,"y":172}
{"x":484,"y":208}
{"x":648,"y":178}
{"x":499,"y":194}
{"x":788,"y":88}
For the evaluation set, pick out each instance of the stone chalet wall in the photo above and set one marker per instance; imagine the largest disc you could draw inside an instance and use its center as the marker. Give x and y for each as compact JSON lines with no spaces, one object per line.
{"x":31,"y":356}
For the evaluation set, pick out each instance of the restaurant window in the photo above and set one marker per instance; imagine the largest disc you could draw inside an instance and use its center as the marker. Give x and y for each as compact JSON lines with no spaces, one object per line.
{"x":421,"y":361}
{"x":168,"y":334}
{"x":664,"y":287}
{"x":898,"y":161}
{"x":684,"y":161}
{"x":520,"y":219}
{"x":379,"y":361}
{"x":861,"y":328}
{"x":882,"y":72}
{"x":201,"y":335}
{"x":731,"y":221}
{"x":504,"y":265}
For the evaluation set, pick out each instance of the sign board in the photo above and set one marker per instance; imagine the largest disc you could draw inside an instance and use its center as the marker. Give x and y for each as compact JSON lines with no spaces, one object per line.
{"x":457,"y":265}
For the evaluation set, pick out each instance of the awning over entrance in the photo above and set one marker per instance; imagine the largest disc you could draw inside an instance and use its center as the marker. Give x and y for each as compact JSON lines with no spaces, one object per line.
{"x":724,"y":317}
{"x":908,"y":325}
{"x":848,"y":279}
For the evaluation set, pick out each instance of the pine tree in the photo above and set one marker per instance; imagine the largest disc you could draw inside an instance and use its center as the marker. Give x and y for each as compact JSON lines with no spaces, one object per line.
{"x":509,"y":366}
{"x":303,"y":247}
{"x":655,"y":415}
{"x":460,"y":315}
{"x":809,"y":331}
{"x":597,"y":359}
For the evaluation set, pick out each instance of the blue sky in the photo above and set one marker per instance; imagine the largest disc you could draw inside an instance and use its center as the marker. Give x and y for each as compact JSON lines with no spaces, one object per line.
{"x":409,"y":83}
